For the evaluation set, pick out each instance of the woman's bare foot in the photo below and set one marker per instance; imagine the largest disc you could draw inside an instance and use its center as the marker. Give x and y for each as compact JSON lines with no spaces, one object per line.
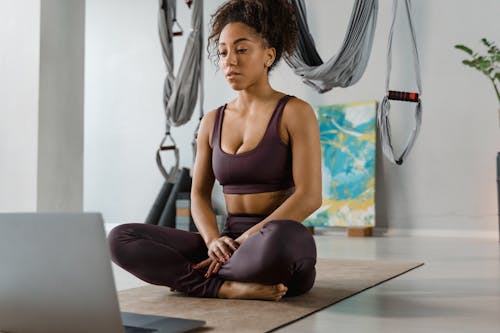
{"x":249,"y":290}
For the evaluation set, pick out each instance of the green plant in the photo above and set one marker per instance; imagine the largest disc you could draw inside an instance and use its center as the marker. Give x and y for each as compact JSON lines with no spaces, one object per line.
{"x":488,"y":64}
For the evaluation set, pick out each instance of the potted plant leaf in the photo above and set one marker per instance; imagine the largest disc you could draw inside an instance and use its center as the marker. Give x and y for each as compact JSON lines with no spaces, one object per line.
{"x":489,"y":65}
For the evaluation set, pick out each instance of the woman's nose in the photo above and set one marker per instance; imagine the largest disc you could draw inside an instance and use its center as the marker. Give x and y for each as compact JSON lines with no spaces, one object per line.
{"x":231,"y":59}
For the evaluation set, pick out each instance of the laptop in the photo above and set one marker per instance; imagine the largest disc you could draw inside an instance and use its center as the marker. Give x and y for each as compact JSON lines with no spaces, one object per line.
{"x":56,"y":276}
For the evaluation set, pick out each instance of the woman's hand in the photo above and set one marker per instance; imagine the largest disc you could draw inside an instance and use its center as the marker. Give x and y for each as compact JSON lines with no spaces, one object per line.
{"x":219,"y":251}
{"x":213,"y":268}
{"x":222,"y":248}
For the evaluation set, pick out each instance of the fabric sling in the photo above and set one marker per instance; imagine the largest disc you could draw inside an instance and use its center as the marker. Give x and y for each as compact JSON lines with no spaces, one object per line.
{"x":180,"y":93}
{"x":349,"y":64}
{"x":413,"y":97}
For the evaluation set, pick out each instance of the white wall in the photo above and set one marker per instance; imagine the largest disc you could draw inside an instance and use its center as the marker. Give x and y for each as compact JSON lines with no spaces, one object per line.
{"x":448,"y":181}
{"x":41,"y":105}
{"x":123,"y":110}
{"x":19,"y":67}
{"x":124,"y":116}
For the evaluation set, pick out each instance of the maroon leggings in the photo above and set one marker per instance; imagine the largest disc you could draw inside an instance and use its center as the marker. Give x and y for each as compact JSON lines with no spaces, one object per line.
{"x":283,"y":251}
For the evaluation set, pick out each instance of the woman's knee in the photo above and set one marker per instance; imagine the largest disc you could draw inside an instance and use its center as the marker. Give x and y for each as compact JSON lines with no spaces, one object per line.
{"x":286,"y":226}
{"x":302,"y":280}
{"x":122,"y":232}
{"x":293,"y":236}
{"x":118,"y":237}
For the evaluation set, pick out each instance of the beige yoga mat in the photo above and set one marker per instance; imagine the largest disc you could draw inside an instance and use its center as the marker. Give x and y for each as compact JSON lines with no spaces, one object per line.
{"x":335,"y":280}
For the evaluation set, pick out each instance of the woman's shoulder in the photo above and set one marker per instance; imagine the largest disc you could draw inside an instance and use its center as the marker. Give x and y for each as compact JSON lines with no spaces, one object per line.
{"x":299,"y":120}
{"x":207,"y":124}
{"x":297,"y":103}
{"x":296,"y":110}
{"x":210,"y":115}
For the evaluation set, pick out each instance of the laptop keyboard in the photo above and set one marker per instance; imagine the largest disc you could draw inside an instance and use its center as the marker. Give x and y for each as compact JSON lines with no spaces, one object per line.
{"x":133,"y":329}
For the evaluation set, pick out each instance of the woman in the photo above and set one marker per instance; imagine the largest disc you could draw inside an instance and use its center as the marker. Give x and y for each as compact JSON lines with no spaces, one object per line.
{"x":264,"y":149}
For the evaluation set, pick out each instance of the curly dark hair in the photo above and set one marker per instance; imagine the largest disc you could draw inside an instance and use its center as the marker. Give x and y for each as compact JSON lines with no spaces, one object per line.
{"x":274,"y":20}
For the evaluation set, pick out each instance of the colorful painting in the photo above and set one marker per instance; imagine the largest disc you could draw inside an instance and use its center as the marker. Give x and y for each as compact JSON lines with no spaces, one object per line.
{"x":348,"y":137}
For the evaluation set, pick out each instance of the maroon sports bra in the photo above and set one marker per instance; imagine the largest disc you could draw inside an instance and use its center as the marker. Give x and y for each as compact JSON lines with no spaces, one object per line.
{"x":266,"y":168}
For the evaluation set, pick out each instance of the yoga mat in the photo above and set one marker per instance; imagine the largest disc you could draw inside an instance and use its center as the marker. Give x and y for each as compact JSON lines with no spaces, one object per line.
{"x":336,"y":279}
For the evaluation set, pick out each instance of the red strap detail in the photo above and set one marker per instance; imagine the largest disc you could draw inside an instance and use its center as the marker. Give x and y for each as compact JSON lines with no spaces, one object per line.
{"x":403,"y":96}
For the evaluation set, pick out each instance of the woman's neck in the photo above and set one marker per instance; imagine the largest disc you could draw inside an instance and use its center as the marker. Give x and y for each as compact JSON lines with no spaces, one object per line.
{"x":257,"y":94}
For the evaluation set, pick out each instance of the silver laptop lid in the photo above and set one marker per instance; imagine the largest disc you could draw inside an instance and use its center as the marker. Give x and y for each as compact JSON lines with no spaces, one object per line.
{"x":55,"y":274}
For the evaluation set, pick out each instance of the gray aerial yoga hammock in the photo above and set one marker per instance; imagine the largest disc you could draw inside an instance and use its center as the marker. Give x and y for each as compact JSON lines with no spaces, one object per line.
{"x":180,"y":94}
{"x":384,"y":107}
{"x":349,"y":64}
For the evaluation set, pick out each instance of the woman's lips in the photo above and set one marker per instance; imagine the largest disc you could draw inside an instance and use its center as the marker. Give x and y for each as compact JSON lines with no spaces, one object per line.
{"x":231,"y":75}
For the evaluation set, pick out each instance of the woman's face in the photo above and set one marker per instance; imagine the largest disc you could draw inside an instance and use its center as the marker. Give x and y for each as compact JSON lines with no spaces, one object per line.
{"x":242,"y":56}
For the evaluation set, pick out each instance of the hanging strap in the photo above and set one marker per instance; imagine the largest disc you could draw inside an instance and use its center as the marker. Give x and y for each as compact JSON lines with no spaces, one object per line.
{"x":169,"y":177}
{"x":349,"y":64}
{"x":180,"y":94}
{"x":412,"y":97}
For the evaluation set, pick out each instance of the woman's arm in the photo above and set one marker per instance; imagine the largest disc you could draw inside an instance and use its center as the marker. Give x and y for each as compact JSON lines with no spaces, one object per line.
{"x":203,"y":181}
{"x":303,"y":130}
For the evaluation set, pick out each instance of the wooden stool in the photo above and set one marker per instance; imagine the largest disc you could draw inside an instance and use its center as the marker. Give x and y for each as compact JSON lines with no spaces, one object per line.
{"x":360,"y":231}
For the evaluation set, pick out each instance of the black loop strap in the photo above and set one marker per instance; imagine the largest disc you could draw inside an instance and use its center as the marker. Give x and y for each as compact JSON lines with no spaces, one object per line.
{"x":169,"y":177}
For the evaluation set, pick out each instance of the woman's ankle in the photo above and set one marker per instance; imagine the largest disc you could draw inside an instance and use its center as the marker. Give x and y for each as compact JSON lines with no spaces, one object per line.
{"x":225,"y":290}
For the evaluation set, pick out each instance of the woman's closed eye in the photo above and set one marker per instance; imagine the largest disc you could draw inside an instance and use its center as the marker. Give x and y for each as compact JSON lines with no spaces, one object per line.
{"x":224,"y":53}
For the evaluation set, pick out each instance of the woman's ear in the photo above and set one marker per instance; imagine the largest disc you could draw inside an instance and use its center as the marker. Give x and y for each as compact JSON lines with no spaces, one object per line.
{"x":271,"y":55}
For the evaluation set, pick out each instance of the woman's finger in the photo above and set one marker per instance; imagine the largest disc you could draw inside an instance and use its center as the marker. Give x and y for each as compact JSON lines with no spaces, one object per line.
{"x":213,"y":256}
{"x":219,"y":254}
{"x":232,"y":244}
{"x":225,"y":251}
{"x":216,"y":267}
{"x":203,"y":263}
{"x":210,"y":268}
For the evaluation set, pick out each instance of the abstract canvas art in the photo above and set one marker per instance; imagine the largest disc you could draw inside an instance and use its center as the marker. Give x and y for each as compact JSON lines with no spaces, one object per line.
{"x":348,"y":144}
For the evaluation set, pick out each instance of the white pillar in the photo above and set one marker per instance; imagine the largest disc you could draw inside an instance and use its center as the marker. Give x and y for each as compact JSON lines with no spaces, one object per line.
{"x":19,"y":77}
{"x":41,"y":105}
{"x":60,"y":133}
